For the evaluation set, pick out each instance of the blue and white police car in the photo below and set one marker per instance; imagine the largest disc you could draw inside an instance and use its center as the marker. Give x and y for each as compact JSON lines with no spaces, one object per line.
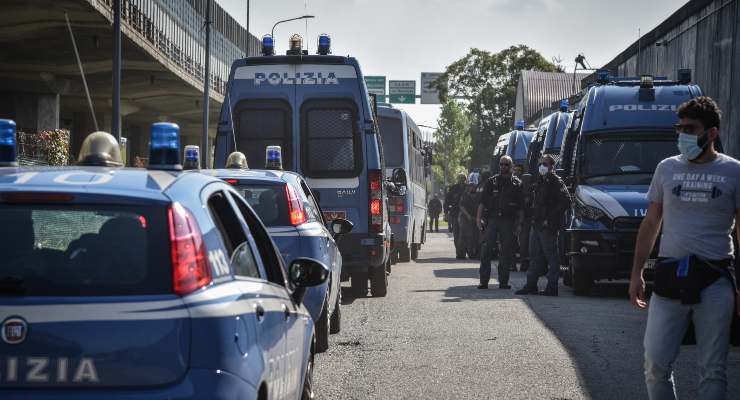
{"x":131,"y":283}
{"x":294,"y":220}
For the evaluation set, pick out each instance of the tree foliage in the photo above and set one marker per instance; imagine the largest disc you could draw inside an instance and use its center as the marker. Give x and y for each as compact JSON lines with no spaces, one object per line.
{"x":488,"y":83}
{"x":452,"y":142}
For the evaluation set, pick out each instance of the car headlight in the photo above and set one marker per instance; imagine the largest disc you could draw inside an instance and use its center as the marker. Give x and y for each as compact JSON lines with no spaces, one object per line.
{"x":584,"y":211}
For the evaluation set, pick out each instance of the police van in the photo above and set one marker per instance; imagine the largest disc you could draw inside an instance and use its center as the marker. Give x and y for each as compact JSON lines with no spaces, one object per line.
{"x":318,"y":110}
{"x":405,"y":160}
{"x":549,"y":136}
{"x":518,"y":147}
{"x":124,"y":282}
{"x":622,"y":128}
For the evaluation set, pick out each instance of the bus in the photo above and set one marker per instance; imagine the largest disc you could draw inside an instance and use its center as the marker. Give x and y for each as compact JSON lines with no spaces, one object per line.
{"x":404,"y":148}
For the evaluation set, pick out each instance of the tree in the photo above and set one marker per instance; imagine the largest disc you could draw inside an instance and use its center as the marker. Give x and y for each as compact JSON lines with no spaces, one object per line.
{"x":488,"y":83}
{"x":452,"y":142}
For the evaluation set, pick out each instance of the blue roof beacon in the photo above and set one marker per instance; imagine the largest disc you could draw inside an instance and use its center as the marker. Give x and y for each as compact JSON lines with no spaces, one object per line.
{"x":8,"y":156}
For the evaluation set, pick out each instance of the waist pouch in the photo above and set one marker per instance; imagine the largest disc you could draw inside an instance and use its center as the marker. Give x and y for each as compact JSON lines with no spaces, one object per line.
{"x":684,"y":278}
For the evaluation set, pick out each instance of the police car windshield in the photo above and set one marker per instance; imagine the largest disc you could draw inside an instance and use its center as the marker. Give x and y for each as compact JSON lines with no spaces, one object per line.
{"x":391,"y":130}
{"x":84,"y":251}
{"x":269,"y":202}
{"x":627,"y":159}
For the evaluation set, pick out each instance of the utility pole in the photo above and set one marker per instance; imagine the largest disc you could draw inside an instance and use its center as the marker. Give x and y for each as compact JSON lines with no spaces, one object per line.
{"x":206,"y":88}
{"x":116,"y":112}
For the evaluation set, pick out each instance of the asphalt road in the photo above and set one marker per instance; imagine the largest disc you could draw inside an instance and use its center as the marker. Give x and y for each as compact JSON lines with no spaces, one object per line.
{"x":435,"y":336}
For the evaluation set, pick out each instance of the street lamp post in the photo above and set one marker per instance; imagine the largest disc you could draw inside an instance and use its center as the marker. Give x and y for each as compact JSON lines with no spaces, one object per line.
{"x":272,"y":33}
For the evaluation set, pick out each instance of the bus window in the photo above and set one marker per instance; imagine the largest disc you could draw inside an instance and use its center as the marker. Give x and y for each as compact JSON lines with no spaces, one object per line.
{"x":392,"y":132}
{"x":262,"y":123}
{"x":331,"y":145}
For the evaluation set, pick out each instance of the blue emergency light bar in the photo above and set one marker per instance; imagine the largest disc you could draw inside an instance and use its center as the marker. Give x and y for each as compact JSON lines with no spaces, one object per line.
{"x":519,"y":125}
{"x":192,"y":157}
{"x":564,"y":104}
{"x":324,"y":44}
{"x":268,"y":45}
{"x":602,"y":76}
{"x":273,"y":158}
{"x":7,"y":143}
{"x":164,"y":146}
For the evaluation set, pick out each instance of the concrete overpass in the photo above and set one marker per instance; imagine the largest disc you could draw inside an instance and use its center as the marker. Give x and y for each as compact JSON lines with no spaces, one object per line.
{"x":162,"y":68}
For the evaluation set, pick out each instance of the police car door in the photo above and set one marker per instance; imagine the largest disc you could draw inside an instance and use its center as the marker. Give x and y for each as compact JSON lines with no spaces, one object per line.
{"x":296,"y":320}
{"x":264,"y":298}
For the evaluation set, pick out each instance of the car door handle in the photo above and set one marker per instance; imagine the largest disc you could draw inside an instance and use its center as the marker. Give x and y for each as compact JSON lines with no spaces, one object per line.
{"x":259,"y":311}
{"x":286,"y":311}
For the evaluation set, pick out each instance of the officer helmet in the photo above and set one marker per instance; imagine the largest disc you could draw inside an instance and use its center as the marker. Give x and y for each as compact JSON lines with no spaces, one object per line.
{"x":100,"y":149}
{"x":237,"y":160}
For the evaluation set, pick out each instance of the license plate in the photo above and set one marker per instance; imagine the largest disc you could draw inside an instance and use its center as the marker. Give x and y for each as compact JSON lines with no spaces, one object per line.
{"x":650,"y":264}
{"x":332,"y":215}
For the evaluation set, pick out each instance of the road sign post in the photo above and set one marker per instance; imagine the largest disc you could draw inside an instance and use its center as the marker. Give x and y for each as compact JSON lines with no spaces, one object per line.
{"x":402,"y":92}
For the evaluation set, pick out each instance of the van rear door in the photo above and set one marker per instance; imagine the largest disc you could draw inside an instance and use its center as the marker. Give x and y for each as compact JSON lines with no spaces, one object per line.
{"x":331,"y":119}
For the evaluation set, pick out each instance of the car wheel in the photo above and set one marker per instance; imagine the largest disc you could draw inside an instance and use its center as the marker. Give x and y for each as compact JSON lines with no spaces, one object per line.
{"x":322,"y":330}
{"x":307,"y":392}
{"x":415,"y":251}
{"x":404,"y":254}
{"x":335,"y":325}
{"x":359,"y":285}
{"x":379,"y":282}
{"x":582,"y":280}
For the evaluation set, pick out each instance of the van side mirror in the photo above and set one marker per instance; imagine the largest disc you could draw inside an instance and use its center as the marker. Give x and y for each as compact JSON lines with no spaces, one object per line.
{"x":399,"y":177}
{"x":341,"y":226}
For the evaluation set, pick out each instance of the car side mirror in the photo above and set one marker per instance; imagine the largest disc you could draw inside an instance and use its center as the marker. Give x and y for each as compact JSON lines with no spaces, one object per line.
{"x":341,"y":226}
{"x":399,"y":177}
{"x":304,"y":273}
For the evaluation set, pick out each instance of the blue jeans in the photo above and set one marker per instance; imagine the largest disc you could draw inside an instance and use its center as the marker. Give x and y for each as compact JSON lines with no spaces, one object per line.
{"x":499,"y":229}
{"x":668,"y":320}
{"x":543,"y":245}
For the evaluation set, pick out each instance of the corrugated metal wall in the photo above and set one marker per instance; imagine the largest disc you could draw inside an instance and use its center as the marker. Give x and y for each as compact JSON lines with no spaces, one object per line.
{"x":708,"y":42}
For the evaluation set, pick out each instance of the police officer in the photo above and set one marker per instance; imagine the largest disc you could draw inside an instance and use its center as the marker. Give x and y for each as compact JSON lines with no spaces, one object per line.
{"x":501,"y":201}
{"x":525,"y":218}
{"x":452,"y":204}
{"x":550,"y":203}
{"x":434,"y":209}
{"x":468,"y":243}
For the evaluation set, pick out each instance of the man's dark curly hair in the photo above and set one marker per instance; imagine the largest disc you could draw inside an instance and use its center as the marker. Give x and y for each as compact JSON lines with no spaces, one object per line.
{"x":702,"y":109}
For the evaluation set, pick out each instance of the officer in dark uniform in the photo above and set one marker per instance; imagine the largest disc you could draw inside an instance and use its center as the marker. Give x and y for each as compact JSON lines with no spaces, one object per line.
{"x":501,"y":201}
{"x":452,"y":205}
{"x":551,"y":201}
{"x":525,"y":218}
{"x":468,"y":243}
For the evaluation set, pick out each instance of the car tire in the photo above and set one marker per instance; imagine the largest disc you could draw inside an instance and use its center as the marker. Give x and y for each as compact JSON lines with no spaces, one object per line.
{"x":335,"y":324}
{"x":307,"y":392}
{"x":404,"y":254}
{"x":379,"y":282}
{"x":415,"y":251}
{"x":322,"y":330}
{"x":359,"y":284}
{"x":582,"y":280}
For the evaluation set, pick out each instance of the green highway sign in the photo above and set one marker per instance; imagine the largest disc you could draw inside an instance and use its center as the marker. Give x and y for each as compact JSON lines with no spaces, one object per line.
{"x":376,"y":85}
{"x":403,"y":92}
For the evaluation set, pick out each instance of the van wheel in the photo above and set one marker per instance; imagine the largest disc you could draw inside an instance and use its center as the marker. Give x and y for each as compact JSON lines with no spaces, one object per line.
{"x":335,"y":325}
{"x":415,"y":251}
{"x":322,"y":330}
{"x":404,"y":254}
{"x":359,"y":284}
{"x":582,"y":280}
{"x":379,"y":282}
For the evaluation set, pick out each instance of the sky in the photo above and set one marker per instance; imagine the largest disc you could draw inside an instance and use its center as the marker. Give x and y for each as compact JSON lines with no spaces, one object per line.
{"x":403,"y":38}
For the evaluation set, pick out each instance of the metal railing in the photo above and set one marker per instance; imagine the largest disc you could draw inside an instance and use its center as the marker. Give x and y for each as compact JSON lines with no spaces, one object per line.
{"x":174,"y":28}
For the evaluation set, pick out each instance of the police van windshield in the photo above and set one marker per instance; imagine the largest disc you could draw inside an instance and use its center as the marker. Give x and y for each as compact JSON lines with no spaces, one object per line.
{"x":391,"y":129}
{"x":84,"y":251}
{"x":625,"y":159}
{"x":269,"y":202}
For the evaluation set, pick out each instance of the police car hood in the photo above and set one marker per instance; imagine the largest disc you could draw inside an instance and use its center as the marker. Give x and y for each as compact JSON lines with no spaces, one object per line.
{"x":615,"y":200}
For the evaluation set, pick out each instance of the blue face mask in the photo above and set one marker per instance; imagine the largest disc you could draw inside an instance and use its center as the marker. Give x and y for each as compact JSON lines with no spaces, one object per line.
{"x":691,"y":146}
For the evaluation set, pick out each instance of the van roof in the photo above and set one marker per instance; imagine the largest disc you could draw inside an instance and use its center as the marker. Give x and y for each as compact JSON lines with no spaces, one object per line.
{"x":618,"y":107}
{"x":309,"y":59}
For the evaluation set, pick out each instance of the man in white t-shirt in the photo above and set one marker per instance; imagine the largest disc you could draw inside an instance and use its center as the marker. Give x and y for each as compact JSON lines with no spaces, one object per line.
{"x":696,"y":197}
